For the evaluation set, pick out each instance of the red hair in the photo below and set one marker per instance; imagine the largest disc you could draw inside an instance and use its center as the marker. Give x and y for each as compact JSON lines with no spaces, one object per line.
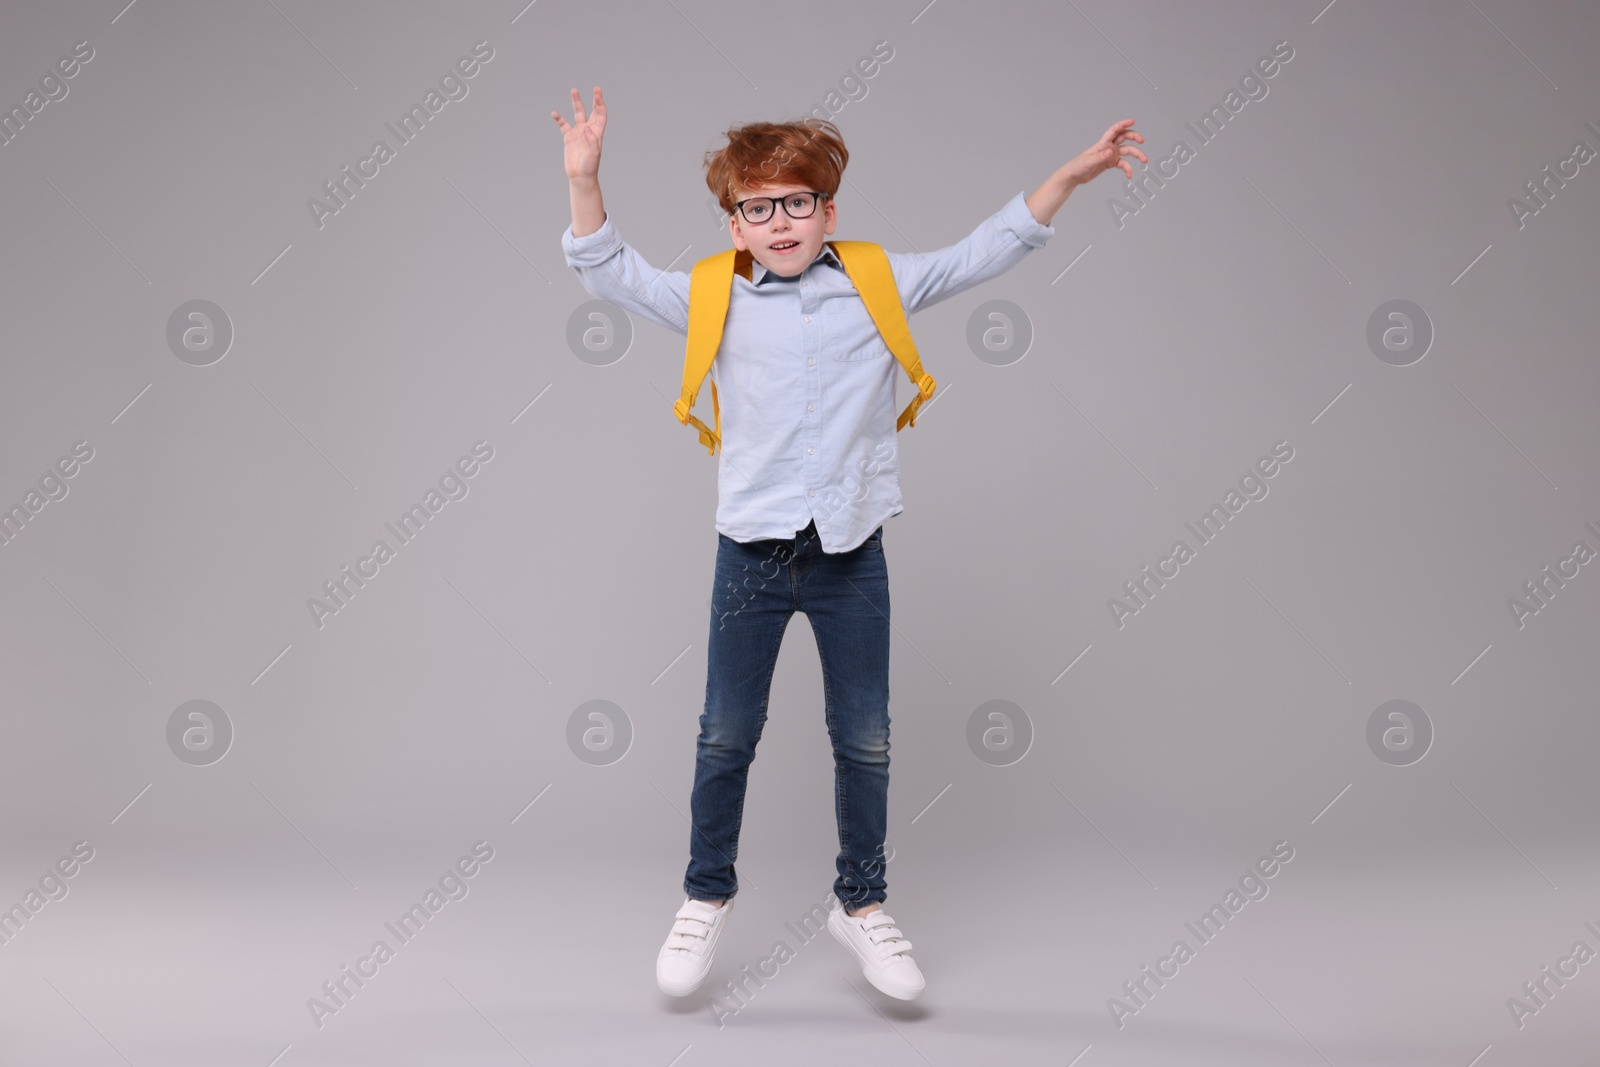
{"x":810,"y":152}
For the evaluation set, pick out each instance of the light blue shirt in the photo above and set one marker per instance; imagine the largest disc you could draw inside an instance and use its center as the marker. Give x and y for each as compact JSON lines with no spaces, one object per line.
{"x":805,"y":382}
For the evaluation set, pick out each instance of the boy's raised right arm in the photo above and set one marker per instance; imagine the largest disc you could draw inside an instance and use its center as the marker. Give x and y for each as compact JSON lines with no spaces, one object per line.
{"x":608,"y":266}
{"x":581,"y":146}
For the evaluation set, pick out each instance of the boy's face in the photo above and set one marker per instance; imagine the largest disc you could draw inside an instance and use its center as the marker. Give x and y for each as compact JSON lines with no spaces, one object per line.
{"x":806,"y":234}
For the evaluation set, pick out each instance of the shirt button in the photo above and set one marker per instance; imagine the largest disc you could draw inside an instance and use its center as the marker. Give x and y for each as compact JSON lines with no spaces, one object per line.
{"x":811,"y":407}
{"x":810,"y":362}
{"x":809,"y":451}
{"x":808,"y":318}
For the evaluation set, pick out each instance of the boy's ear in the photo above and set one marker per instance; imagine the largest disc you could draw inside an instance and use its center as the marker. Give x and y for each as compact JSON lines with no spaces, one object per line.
{"x":733,"y":232}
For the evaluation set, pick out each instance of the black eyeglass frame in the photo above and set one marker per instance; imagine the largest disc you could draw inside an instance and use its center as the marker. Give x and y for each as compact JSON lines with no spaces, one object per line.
{"x":776,"y":201}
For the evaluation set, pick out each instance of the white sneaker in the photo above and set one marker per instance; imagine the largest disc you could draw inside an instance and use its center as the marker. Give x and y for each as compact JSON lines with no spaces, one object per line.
{"x":685,"y":959}
{"x":884,"y":953}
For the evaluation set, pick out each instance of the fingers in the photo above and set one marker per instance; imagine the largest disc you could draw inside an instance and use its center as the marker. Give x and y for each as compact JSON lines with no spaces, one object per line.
{"x":1120,"y":132}
{"x":578,"y":116}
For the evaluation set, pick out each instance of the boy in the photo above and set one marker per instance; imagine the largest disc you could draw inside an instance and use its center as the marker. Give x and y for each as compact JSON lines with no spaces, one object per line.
{"x":809,"y":386}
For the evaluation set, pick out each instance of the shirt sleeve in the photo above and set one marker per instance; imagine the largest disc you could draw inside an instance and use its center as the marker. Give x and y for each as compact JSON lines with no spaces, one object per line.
{"x":610,"y":269}
{"x":1000,"y":242}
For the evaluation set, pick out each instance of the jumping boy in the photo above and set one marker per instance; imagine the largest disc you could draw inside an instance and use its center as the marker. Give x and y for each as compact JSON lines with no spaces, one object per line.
{"x":807,"y":476}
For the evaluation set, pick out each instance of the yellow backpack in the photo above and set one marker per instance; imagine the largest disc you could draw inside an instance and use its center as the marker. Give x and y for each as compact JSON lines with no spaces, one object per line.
{"x":711,"y":285}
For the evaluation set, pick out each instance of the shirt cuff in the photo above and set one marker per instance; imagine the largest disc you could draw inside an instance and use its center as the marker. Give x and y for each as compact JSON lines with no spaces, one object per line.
{"x":591,"y":248}
{"x":1021,"y":222}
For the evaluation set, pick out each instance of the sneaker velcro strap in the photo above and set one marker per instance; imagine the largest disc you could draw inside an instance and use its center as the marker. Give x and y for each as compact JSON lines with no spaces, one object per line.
{"x":893,"y":948}
{"x":885,"y":936}
{"x":691,"y":927}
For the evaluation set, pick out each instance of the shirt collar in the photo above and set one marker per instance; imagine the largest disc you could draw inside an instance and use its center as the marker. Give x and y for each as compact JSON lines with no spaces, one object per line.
{"x":759,"y":273}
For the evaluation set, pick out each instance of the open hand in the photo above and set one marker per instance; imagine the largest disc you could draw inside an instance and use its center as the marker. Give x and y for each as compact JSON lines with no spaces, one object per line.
{"x":581,"y":140}
{"x":1106,"y":154}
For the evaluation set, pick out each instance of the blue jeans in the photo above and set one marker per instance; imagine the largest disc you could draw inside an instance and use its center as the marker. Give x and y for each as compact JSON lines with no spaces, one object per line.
{"x":759,"y":586}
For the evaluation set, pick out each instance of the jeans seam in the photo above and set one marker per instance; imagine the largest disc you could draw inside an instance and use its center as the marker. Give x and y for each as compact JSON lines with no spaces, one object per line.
{"x":841,"y":798}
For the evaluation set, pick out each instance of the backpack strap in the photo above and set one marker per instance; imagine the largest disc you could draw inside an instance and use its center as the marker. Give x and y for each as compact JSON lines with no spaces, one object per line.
{"x":867,"y":265}
{"x":710,"y":286}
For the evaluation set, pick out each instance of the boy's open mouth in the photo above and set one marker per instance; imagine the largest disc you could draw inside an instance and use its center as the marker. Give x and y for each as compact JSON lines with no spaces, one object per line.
{"x":785,"y":246}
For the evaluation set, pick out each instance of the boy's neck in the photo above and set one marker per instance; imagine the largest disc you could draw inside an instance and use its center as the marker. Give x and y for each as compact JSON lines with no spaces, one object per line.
{"x":796,"y":276}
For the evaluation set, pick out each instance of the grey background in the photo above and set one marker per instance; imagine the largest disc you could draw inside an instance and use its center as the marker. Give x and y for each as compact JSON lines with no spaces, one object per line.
{"x":1229,"y":714}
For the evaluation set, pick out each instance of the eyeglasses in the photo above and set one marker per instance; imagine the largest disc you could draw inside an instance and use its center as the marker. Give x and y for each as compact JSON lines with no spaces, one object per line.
{"x":758,"y":209}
